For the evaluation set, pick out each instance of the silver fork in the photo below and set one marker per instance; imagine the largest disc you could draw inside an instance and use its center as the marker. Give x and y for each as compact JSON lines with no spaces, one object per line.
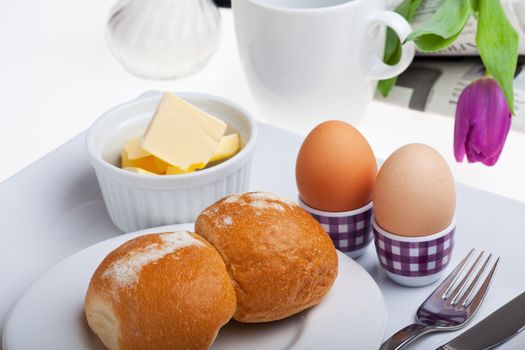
{"x":450,"y":306}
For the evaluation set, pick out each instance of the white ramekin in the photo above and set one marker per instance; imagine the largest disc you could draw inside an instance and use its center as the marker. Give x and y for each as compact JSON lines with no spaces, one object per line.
{"x":137,"y":201}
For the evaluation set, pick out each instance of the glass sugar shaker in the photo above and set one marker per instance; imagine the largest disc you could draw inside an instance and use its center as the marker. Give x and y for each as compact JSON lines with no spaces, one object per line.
{"x":164,"y":39}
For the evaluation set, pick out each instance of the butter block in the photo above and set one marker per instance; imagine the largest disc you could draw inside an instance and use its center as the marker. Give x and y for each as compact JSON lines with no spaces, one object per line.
{"x":146,"y":163}
{"x":172,"y":170}
{"x":138,"y":170}
{"x":134,"y":149}
{"x":161,"y":165}
{"x":181,"y":134}
{"x":227,"y":148}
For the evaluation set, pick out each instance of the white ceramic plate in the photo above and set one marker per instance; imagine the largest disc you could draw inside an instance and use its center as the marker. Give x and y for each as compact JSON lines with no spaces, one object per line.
{"x":49,"y":315}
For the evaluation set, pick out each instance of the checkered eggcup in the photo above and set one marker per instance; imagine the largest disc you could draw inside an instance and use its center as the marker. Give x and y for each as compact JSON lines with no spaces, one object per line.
{"x":414,"y":261}
{"x":351,"y":231}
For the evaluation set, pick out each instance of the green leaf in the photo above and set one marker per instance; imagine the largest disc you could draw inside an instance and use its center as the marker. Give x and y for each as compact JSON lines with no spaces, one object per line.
{"x":443,"y":27}
{"x":393,"y":50}
{"x":407,"y":9}
{"x":474,"y":4}
{"x":385,"y":86}
{"x":498,"y":46}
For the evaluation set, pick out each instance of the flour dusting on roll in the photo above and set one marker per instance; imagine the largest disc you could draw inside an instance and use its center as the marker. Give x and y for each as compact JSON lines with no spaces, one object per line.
{"x":125,"y":270}
{"x":160,"y":291}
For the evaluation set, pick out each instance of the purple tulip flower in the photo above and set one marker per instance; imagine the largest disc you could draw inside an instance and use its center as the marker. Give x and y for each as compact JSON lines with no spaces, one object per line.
{"x":483,"y":121}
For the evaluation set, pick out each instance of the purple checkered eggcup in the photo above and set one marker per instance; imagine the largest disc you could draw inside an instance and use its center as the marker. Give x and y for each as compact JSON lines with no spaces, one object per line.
{"x":351,"y":231}
{"x":414,"y":261}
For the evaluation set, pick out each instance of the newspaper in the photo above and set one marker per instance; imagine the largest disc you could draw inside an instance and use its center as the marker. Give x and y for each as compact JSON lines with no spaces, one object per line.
{"x":434,"y":86}
{"x":433,"y":82}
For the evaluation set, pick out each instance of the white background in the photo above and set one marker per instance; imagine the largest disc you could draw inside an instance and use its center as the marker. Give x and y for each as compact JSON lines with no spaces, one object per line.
{"x":57,"y":76}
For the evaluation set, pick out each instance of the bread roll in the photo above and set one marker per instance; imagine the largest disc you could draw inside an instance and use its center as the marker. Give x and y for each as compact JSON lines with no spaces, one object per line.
{"x":160,"y":291}
{"x":279,"y":258}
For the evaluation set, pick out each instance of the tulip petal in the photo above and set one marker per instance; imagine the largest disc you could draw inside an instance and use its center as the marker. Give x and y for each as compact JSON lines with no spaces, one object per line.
{"x":483,"y":121}
{"x":462,"y":124}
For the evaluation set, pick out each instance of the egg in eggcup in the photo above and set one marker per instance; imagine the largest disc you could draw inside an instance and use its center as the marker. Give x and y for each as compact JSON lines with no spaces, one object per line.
{"x":335,"y":173}
{"x":414,"y":215}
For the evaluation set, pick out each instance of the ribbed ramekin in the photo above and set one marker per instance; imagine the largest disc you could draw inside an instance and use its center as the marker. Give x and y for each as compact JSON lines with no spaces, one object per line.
{"x":137,"y":201}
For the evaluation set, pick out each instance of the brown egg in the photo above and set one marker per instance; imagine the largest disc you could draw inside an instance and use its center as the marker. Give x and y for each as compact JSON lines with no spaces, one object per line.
{"x":336,"y":168}
{"x":414,"y":193}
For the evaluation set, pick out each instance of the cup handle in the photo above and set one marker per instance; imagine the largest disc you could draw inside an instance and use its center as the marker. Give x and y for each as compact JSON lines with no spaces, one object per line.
{"x":378,"y":70}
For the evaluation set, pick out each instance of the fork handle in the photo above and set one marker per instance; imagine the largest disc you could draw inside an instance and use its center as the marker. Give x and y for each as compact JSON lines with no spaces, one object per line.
{"x":406,"y":335}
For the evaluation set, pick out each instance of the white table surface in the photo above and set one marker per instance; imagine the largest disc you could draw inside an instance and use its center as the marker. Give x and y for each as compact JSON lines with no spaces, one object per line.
{"x":57,"y":76}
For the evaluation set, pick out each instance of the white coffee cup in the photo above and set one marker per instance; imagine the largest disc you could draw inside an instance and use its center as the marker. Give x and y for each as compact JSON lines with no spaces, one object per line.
{"x":307,"y":61}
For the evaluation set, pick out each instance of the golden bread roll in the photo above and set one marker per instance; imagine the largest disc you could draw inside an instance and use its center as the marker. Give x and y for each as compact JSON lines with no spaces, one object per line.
{"x":279,"y":258}
{"x":160,"y":291}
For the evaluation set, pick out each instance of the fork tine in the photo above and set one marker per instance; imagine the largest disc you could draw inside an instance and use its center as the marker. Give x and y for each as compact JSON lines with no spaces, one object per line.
{"x":478,"y":298}
{"x":462,"y":284}
{"x":454,"y":275}
{"x":473,"y":284}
